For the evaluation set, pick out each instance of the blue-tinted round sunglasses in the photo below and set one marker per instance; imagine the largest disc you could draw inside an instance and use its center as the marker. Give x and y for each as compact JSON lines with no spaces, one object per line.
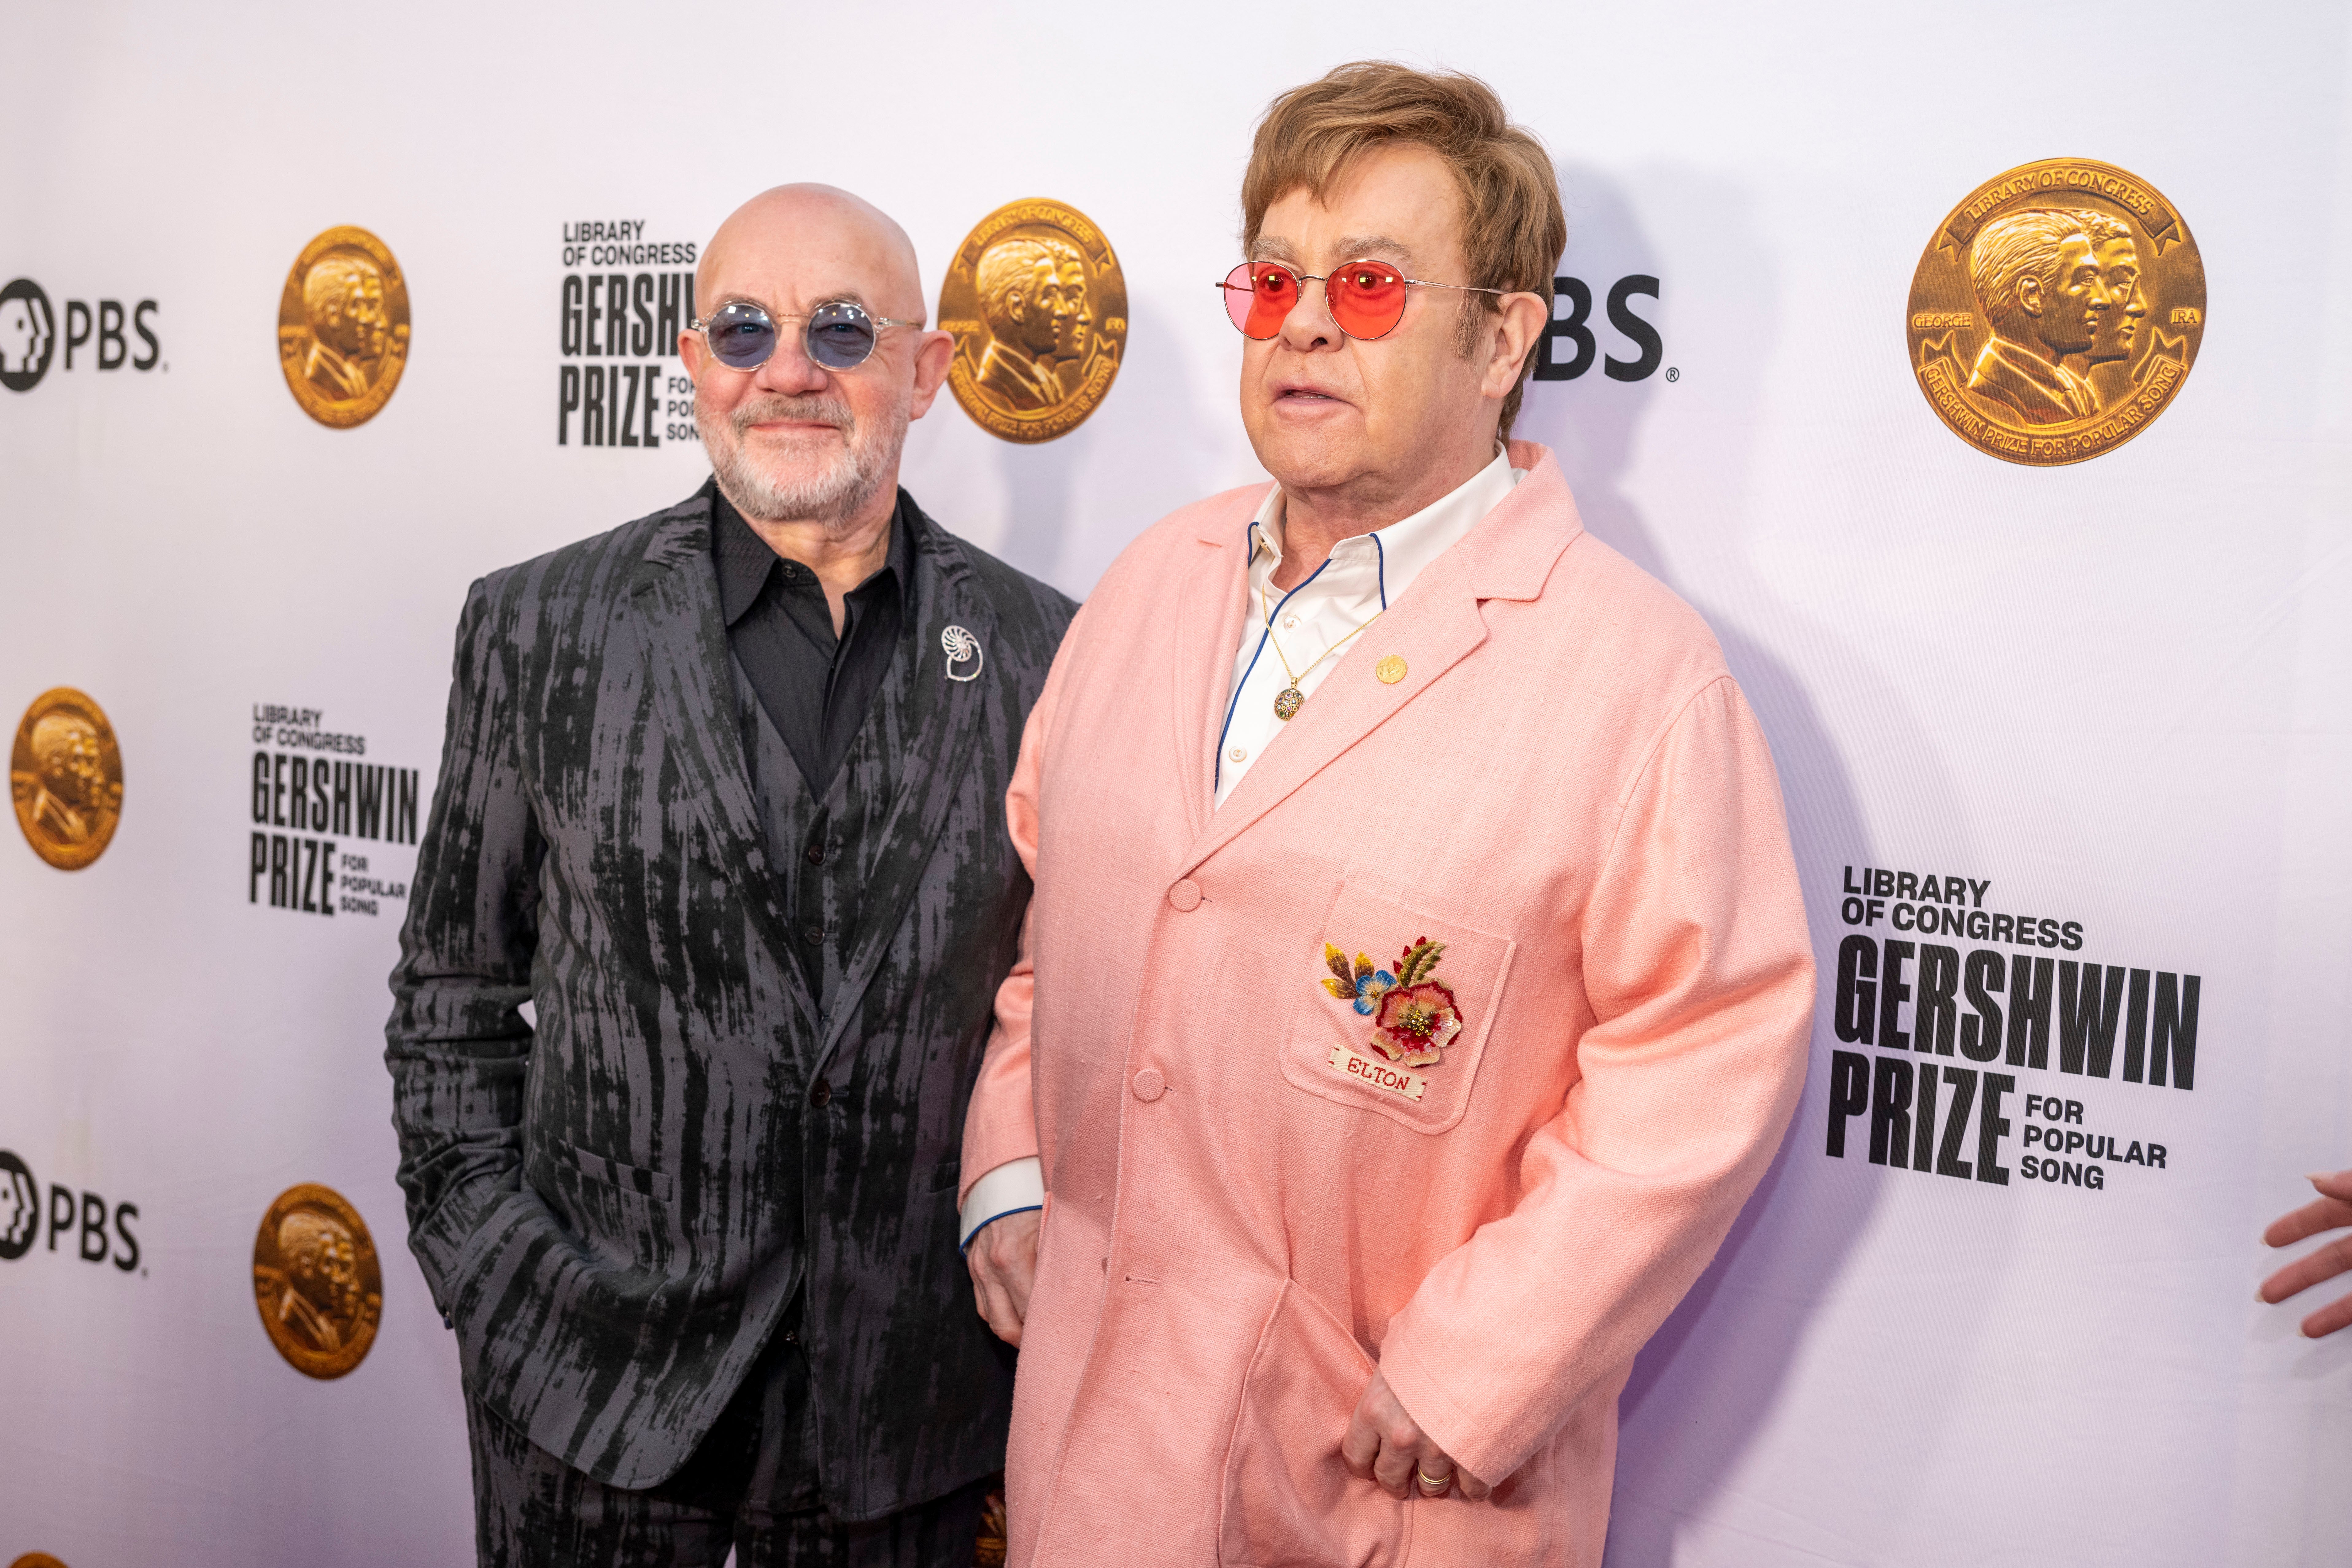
{"x":839,"y":335}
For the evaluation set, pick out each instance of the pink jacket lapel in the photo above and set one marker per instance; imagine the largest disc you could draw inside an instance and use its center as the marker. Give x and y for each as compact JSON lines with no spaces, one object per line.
{"x":1212,"y":603}
{"x":1435,"y":626}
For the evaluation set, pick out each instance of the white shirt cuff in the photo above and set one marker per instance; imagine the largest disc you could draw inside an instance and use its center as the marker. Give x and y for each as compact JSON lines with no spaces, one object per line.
{"x":1011,"y":1187}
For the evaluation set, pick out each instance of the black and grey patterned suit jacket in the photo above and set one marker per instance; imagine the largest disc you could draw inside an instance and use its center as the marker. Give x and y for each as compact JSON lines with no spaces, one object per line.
{"x":614,"y":1206}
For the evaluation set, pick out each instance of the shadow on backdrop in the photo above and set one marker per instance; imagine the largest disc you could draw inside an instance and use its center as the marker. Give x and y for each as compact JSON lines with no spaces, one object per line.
{"x":1731,"y":1353}
{"x":1077,"y":501}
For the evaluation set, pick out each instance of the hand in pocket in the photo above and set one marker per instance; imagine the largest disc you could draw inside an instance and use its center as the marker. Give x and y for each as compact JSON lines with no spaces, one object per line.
{"x":1384,"y":1443}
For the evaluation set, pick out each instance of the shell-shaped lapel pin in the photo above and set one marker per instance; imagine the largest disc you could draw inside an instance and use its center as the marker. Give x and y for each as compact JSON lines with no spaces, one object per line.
{"x":962,"y":649}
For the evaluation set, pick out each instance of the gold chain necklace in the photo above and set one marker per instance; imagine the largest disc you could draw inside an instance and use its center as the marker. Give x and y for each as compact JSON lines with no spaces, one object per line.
{"x":1287,"y":702}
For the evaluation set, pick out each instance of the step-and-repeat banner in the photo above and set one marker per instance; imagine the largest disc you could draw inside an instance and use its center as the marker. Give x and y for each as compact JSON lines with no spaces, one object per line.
{"x":1984,"y":376}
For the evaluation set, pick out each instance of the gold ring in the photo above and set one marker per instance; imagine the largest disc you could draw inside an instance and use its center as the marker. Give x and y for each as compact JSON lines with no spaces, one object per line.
{"x":1434,"y":1483}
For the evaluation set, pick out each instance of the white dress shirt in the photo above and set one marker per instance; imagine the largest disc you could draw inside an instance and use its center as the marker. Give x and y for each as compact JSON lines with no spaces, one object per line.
{"x":1290,"y":634}
{"x":1364,"y":575}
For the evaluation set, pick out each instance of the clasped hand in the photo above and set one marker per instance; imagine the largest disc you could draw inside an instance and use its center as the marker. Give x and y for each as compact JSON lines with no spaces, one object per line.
{"x":1003,"y":1259}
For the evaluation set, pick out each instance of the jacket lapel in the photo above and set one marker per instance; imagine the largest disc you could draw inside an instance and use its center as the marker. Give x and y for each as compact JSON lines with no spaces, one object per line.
{"x":944,"y":719}
{"x":675,"y":598}
{"x":1435,"y":626}
{"x":1212,"y":607}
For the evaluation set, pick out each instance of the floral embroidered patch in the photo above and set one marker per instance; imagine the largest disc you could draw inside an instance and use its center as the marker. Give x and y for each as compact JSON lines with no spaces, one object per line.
{"x":1414,"y":1015}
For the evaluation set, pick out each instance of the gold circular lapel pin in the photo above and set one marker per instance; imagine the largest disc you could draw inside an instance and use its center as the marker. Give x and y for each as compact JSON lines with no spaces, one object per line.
{"x":1391,"y":671}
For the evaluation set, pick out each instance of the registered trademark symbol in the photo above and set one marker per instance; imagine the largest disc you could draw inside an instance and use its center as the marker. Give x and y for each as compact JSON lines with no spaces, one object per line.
{"x":1674,"y":373}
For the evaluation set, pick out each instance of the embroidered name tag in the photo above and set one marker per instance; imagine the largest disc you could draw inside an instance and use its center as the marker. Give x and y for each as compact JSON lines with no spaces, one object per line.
{"x":1395,"y":1080}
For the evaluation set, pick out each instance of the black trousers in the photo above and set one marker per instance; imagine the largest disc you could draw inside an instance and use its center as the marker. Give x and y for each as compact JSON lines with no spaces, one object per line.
{"x":750,"y":1486}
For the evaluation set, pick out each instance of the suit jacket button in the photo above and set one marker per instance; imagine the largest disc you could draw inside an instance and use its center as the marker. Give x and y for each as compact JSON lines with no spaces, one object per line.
{"x":814,"y":853}
{"x":1185,"y":895}
{"x":1149,"y":1086}
{"x":813,"y":935}
{"x":821,"y":1093}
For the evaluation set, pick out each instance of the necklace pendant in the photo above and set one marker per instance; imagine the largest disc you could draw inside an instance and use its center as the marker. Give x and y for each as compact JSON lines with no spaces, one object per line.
{"x":1286,"y":702}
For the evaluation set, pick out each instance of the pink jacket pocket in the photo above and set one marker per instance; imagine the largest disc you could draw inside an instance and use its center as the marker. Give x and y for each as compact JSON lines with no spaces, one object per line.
{"x":1395,"y":1011}
{"x":1289,"y":1501}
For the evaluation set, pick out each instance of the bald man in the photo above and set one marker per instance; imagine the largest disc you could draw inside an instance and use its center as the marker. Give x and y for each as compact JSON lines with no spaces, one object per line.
{"x":705,"y":928}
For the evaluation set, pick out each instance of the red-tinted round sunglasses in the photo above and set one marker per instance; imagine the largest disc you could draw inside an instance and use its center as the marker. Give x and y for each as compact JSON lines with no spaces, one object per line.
{"x":1366,"y":298}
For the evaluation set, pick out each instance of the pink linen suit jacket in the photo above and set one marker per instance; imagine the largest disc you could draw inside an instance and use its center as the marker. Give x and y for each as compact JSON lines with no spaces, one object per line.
{"x":1566,"y":789}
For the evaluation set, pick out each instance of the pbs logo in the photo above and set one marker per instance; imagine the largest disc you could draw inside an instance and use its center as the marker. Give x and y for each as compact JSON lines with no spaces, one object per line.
{"x":28,"y":340}
{"x":20,"y":1207}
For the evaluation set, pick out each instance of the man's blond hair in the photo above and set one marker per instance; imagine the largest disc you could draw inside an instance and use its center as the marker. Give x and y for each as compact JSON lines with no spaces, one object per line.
{"x":1513,"y":229}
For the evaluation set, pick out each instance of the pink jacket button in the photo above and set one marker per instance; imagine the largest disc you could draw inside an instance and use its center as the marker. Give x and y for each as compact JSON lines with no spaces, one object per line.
{"x":1148,"y":1084}
{"x":1185,"y":895}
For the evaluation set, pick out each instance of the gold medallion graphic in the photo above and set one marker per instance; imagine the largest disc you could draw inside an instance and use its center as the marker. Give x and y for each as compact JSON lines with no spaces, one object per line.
{"x":1038,"y":307}
{"x":316,"y":1279}
{"x":342,"y":327}
{"x":43,"y":1560}
{"x":65,"y":776}
{"x":2056,"y":312}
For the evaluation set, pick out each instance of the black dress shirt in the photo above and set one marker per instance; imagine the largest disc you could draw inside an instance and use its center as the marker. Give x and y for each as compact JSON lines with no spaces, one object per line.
{"x":815,"y":687}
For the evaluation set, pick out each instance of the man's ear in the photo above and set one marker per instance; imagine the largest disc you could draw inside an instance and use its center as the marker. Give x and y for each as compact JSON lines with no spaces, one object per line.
{"x":933,"y":356}
{"x":1515,"y":327}
{"x":2029,"y":294}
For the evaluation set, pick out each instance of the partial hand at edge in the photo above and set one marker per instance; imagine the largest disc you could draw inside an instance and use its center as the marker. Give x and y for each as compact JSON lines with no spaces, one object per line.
{"x":2331,"y":1211}
{"x":1003,"y":1259}
{"x":1384,"y":1443}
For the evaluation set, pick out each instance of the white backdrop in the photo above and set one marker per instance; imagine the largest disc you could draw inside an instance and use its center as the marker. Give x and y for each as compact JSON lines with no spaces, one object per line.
{"x":2115,"y":691}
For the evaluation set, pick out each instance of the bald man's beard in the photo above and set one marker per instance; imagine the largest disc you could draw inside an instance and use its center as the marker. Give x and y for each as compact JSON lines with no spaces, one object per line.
{"x":777,"y":488}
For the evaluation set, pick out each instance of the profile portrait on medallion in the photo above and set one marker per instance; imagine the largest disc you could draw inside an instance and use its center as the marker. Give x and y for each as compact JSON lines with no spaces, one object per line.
{"x":65,"y":776}
{"x":2030,"y":328}
{"x":2116,"y":337}
{"x":1037,"y":305}
{"x":1033,"y":298}
{"x":316,"y":1281}
{"x":2038,"y":283}
{"x":342,"y":327}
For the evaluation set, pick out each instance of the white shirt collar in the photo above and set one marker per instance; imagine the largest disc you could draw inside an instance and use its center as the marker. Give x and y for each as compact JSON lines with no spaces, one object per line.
{"x":1384,"y":561}
{"x":1304,"y":629}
